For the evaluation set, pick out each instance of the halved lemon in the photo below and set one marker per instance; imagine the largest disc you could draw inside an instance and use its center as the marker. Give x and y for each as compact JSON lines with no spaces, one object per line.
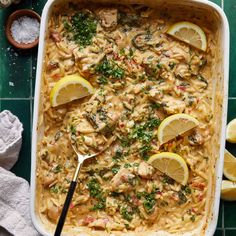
{"x":230,"y":166}
{"x":231,"y":131}
{"x":189,"y":33}
{"x":228,"y":190}
{"x":175,"y":125}
{"x":172,"y":165}
{"x":69,"y":88}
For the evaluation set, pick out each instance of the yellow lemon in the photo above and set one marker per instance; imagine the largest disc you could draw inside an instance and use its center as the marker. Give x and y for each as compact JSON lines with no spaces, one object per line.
{"x":175,"y":125}
{"x":228,"y":190}
{"x":172,"y":165}
{"x":189,"y":33}
{"x":69,"y":88}
{"x":231,"y":131}
{"x":230,"y":166}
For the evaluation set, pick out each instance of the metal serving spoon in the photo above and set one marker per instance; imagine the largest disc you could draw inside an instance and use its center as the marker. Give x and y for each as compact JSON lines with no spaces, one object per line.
{"x":81,"y":159}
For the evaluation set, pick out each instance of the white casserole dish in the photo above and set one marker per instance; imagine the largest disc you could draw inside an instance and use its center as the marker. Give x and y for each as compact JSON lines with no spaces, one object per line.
{"x":220,"y":96}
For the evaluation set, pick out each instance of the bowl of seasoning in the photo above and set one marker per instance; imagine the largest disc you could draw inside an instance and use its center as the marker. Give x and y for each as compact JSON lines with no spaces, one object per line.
{"x":22,"y":29}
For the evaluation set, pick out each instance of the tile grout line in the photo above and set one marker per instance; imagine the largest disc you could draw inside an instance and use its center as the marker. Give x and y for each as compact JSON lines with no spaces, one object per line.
{"x":31,"y":92}
{"x":223,"y":214}
{"x":232,"y":98}
{"x":25,"y":99}
{"x":222,"y":4}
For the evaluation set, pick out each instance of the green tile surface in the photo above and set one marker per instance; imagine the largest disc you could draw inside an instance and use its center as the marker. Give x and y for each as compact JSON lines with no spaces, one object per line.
{"x":230,"y":10}
{"x":17,"y":80}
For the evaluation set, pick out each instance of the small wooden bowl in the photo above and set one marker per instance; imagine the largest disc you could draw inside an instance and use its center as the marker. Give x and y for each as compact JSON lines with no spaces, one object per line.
{"x":14,"y":16}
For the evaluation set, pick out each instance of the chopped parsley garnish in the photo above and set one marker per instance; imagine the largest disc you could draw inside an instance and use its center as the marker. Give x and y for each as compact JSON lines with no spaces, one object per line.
{"x":126,"y":213}
{"x":102,"y":80}
{"x":95,"y":191}
{"x":127,"y":165}
{"x":156,"y":105}
{"x":82,"y":28}
{"x":118,"y":155}
{"x":182,"y":197}
{"x":94,"y":188}
{"x":109,"y":69}
{"x":193,"y":218}
{"x":172,"y":65}
{"x":99,"y":206}
{"x":57,"y":169}
{"x":144,"y":132}
{"x":102,"y":113}
{"x":144,"y":150}
{"x":149,"y":200}
{"x":186,"y":189}
{"x":54,"y":189}
{"x":159,"y":66}
{"x":125,"y":142}
{"x":72,"y":129}
{"x":115,"y":169}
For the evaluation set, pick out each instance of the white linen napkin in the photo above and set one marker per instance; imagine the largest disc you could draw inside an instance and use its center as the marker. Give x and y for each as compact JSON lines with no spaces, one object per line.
{"x":15,"y":206}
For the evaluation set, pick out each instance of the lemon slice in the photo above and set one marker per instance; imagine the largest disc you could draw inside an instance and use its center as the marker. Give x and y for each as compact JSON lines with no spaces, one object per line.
{"x":230,"y":166}
{"x":175,"y":125}
{"x":69,"y":88}
{"x":189,"y":33}
{"x":228,"y":190}
{"x":172,"y":165}
{"x":231,"y":131}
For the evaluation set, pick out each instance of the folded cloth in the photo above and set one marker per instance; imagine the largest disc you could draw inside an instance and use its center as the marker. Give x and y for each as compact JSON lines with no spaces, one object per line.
{"x":15,"y":205}
{"x":10,"y":139}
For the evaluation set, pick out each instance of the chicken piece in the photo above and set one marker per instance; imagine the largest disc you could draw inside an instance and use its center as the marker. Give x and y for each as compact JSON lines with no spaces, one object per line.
{"x":55,"y":36}
{"x":49,"y":179}
{"x":103,"y":119}
{"x":145,"y":170}
{"x":155,"y":93}
{"x":172,"y":105}
{"x":108,"y":17}
{"x":195,"y":65}
{"x":111,"y":205}
{"x":179,"y":53}
{"x":182,"y":71}
{"x":195,"y":139}
{"x":99,"y":223}
{"x":121,"y":181}
{"x":80,"y":199}
{"x":84,"y":126}
{"x":52,"y":65}
{"x":87,"y":220}
{"x":86,"y":58}
{"x":53,"y":212}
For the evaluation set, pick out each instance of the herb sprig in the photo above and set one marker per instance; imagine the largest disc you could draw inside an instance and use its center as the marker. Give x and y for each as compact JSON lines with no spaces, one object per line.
{"x":81,"y":28}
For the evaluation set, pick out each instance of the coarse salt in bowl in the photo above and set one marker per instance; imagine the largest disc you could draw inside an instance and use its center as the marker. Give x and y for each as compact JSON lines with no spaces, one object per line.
{"x":10,"y":139}
{"x":25,"y":29}
{"x":22,"y":29}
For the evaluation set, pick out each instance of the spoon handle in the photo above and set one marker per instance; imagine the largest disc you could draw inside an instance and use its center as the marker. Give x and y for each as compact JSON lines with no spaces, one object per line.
{"x":62,"y":218}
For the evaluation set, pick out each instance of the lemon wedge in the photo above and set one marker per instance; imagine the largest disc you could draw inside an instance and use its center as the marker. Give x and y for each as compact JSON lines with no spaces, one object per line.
{"x":231,"y":131}
{"x":175,"y":125}
{"x":228,"y":190}
{"x":69,"y":88}
{"x":189,"y":33}
{"x":230,"y":166}
{"x":172,"y":165}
